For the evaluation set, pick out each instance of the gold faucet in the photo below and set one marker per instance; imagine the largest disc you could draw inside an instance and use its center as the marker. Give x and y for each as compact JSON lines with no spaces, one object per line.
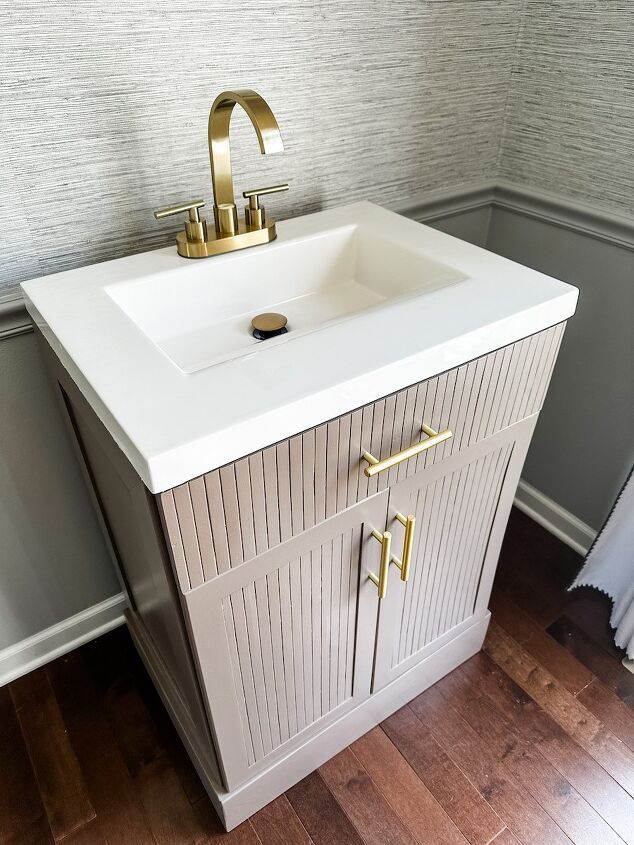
{"x":199,"y":240}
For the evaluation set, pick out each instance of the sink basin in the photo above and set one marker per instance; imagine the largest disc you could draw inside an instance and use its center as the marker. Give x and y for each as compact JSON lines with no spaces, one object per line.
{"x":160,"y":345}
{"x":201,"y":316}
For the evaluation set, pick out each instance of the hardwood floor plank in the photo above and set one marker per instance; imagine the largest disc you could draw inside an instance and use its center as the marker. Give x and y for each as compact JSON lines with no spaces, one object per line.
{"x":558,"y":563}
{"x":174,"y":821}
{"x":529,"y":769}
{"x":135,"y":732}
{"x":535,"y":568}
{"x":23,"y":818}
{"x":462,"y":802}
{"x":613,"y":712}
{"x":320,"y":814}
{"x":591,"y":609}
{"x":535,"y":725}
{"x":510,"y":616}
{"x":89,"y":834}
{"x":405,"y":791}
{"x":505,"y":838}
{"x":107,"y":776}
{"x":278,"y":824}
{"x":171,"y":817}
{"x":568,"y":670}
{"x":164,"y":727}
{"x":615,"y":757}
{"x":56,"y":768}
{"x":516,"y":807}
{"x":374,"y":819}
{"x":107,"y":672}
{"x":606,"y":667}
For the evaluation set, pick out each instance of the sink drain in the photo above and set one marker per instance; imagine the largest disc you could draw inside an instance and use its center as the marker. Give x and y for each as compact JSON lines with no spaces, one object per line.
{"x":268,"y":325}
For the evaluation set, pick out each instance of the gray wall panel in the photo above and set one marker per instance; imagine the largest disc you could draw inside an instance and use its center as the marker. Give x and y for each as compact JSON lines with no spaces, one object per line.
{"x":53,"y":560}
{"x":584,"y":442}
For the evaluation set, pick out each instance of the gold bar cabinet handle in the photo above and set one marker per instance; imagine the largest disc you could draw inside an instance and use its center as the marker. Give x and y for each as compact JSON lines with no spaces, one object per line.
{"x":380,"y":581}
{"x":408,"y":544}
{"x":433,"y":439}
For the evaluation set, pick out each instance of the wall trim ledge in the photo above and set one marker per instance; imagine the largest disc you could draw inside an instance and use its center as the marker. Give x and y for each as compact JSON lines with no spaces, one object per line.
{"x":449,"y":202}
{"x":554,"y":518}
{"x":18,"y":659}
{"x":600,"y":223}
{"x":14,"y":319}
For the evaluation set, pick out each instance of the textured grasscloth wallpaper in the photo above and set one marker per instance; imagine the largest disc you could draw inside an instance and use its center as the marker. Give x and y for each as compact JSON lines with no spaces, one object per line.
{"x":103,"y":108}
{"x":104,"y":105}
{"x":570,"y":118}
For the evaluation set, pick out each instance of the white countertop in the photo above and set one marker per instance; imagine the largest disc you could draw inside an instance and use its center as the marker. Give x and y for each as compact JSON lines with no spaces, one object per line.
{"x":175,"y":425}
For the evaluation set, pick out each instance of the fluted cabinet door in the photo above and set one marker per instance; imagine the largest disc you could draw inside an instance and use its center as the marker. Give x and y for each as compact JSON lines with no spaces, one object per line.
{"x":285,"y":642}
{"x":461,"y":506}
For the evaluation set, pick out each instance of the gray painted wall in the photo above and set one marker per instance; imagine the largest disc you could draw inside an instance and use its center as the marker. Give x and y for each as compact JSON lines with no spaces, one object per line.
{"x":53,"y":559}
{"x":583,"y":445}
{"x":104,"y":113}
{"x":570,"y":114}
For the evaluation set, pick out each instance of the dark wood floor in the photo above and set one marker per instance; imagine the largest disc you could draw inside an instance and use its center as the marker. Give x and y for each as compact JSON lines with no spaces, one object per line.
{"x":531,"y":741}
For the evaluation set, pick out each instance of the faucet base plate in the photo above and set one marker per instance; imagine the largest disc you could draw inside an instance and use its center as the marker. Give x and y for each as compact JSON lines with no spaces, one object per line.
{"x":219,"y":244}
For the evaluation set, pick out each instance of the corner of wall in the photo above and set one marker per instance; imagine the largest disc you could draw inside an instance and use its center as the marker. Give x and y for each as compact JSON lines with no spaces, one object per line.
{"x":521,"y":22}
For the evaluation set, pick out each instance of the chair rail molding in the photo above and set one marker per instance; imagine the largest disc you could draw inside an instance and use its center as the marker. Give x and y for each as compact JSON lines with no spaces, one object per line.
{"x":14,"y":319}
{"x":567,"y":212}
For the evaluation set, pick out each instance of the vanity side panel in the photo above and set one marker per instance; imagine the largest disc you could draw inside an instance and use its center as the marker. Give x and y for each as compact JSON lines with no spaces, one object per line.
{"x":315,"y":474}
{"x":131,"y":520}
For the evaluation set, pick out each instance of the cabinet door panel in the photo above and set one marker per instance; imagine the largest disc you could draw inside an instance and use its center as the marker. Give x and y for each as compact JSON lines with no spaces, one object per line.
{"x":285,"y":643}
{"x":461,"y":506}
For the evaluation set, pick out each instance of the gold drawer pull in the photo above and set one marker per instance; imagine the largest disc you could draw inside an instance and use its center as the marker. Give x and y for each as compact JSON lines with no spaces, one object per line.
{"x":433,"y":439}
{"x":408,"y":544}
{"x":385,"y":540}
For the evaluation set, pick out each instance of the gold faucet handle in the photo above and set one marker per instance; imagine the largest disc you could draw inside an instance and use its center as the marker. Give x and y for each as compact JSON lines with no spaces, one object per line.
{"x":195,"y":227}
{"x":254,"y":212}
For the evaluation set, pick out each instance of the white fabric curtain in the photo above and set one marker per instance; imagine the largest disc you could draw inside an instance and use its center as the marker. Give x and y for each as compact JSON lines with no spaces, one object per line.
{"x":610,"y":566}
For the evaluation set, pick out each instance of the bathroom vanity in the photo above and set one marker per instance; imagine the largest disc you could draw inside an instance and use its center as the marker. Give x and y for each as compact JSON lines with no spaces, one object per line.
{"x":307,"y":527}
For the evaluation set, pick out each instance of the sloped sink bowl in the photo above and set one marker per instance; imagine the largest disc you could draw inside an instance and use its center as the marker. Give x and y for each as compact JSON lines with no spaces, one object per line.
{"x":201,"y":316}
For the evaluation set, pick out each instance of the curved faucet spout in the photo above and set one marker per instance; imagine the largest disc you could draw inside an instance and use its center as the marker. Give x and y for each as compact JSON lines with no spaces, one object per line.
{"x":265,"y":126}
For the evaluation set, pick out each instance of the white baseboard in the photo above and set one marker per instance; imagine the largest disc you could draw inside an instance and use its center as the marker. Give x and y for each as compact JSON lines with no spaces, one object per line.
{"x":551,"y":516}
{"x":29,"y":654}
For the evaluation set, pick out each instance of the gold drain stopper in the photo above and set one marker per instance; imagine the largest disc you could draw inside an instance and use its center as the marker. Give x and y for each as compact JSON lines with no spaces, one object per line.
{"x":268,"y":325}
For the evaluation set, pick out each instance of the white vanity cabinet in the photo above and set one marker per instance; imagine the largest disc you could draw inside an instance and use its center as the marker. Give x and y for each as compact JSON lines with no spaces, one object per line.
{"x":250,"y":597}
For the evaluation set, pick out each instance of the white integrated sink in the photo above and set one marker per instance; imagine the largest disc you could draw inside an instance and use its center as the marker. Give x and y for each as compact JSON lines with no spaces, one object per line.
{"x":160,"y":345}
{"x":201,"y":316}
